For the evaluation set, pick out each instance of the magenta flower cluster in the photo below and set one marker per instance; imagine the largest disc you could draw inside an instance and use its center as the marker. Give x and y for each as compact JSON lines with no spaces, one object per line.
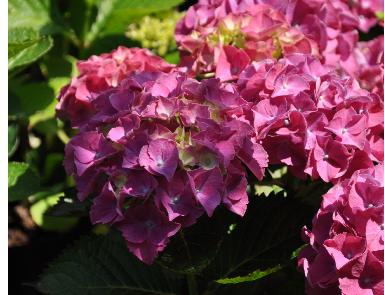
{"x":346,"y":245}
{"x":158,"y":149}
{"x":280,"y":82}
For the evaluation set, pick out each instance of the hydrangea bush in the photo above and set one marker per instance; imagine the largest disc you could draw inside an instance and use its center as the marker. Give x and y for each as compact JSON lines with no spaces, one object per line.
{"x":259,"y":84}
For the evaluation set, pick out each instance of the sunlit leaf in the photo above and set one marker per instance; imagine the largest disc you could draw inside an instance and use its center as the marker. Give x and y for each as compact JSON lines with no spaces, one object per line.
{"x":25,"y":46}
{"x":255,"y":275}
{"x":22,"y":181}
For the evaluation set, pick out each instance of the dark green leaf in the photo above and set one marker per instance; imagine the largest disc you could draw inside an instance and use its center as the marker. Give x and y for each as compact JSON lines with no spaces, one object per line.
{"x":59,"y":67}
{"x":268,"y":224}
{"x":25,"y":46}
{"x":102,"y":265}
{"x":13,"y":139}
{"x":193,"y":249}
{"x":33,"y":97}
{"x":22,"y":181}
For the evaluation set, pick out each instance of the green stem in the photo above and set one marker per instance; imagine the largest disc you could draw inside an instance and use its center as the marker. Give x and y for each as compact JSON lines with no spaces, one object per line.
{"x":192,"y":284}
{"x":191,"y":280}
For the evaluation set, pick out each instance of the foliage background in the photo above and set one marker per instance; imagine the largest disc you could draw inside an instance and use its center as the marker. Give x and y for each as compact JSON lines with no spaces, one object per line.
{"x":221,"y":255}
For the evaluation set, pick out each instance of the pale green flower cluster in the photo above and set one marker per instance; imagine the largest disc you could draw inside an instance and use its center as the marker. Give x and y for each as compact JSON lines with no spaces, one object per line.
{"x":155,"y":32}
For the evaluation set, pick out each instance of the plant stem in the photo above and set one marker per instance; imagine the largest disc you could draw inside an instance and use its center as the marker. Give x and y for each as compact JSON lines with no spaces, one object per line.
{"x":192,"y":284}
{"x":191,"y":281}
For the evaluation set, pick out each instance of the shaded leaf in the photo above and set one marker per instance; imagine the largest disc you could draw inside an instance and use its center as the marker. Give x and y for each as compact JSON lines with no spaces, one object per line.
{"x":193,"y":250}
{"x":54,"y":67}
{"x":269,"y":224}
{"x":36,"y":99}
{"x":102,"y":265}
{"x":22,"y":181}
{"x":13,"y":140}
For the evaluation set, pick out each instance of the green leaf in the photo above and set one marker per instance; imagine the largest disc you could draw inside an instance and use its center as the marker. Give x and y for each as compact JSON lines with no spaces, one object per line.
{"x":278,"y":173}
{"x":13,"y":140}
{"x":172,"y":57}
{"x":25,"y":46}
{"x":255,"y":275}
{"x":50,"y":223}
{"x":380,"y":15}
{"x":37,"y":99}
{"x":69,"y":205}
{"x":22,"y":181}
{"x":35,"y":14}
{"x":102,"y":265}
{"x":114,"y":15}
{"x":269,"y":224}
{"x":53,"y":163}
{"x":267,"y":189}
{"x":296,"y":252}
{"x":194,"y":248}
{"x":79,"y":16}
{"x":58,"y":67}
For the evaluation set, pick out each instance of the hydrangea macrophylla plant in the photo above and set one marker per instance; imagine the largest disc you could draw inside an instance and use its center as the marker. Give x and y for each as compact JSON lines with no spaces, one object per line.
{"x":156,"y":148}
{"x":213,"y":32}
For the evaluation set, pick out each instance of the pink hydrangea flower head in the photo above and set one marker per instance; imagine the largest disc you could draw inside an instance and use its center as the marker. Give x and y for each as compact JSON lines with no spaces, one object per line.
{"x":346,"y":239}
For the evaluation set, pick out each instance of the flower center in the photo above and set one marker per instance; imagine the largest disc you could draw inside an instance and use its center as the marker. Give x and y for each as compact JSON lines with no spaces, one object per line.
{"x":349,"y":255}
{"x":366,"y":280}
{"x":160,"y":163}
{"x":150,"y":224}
{"x":175,"y":200}
{"x":325,"y":157}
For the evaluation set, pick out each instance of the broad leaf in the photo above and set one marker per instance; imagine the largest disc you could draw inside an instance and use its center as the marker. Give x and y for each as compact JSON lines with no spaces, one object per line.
{"x":32,"y":98}
{"x":25,"y":46}
{"x":102,"y":265}
{"x":193,"y":250}
{"x":13,"y":140}
{"x":34,"y":14}
{"x":269,"y":229}
{"x":22,"y":181}
{"x":114,"y":15}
